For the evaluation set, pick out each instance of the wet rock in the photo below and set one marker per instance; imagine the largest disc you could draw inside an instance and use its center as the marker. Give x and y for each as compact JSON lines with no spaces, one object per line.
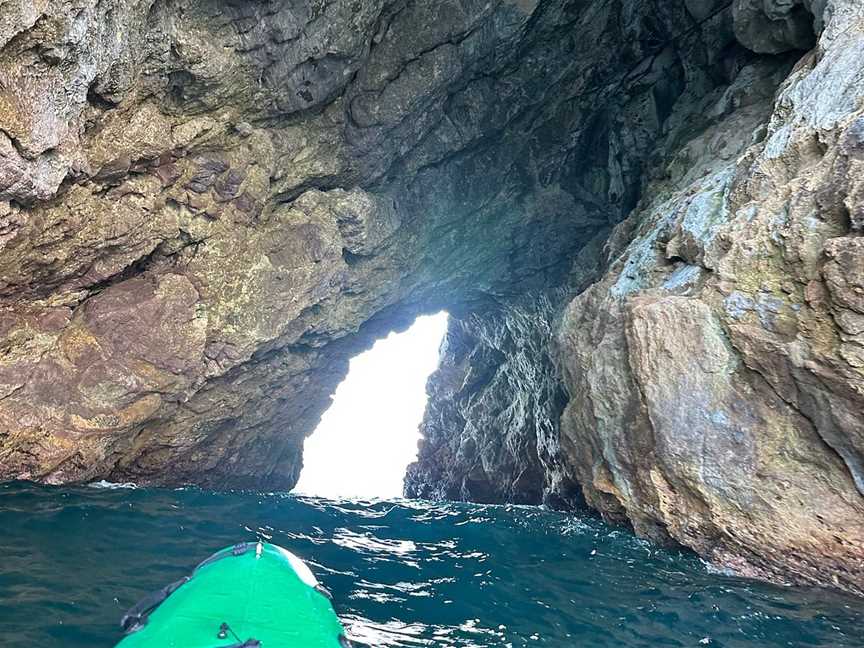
{"x":480,"y":446}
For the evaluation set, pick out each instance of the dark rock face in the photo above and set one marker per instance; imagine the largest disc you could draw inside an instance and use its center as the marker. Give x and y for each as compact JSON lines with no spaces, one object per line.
{"x":480,"y":445}
{"x":651,"y":255}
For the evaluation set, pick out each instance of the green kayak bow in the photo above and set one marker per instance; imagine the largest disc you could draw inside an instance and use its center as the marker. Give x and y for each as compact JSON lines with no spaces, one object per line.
{"x":250,"y":595}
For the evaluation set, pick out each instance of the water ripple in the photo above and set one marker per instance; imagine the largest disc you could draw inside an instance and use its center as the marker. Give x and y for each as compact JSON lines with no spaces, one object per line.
{"x":403,"y":574}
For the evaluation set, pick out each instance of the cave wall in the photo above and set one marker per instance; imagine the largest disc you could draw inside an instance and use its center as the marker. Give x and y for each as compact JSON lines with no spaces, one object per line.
{"x":650,"y":255}
{"x":715,"y":371}
{"x":209,"y":207}
{"x":712,"y":373}
{"x":693,"y":88}
{"x":490,"y":431}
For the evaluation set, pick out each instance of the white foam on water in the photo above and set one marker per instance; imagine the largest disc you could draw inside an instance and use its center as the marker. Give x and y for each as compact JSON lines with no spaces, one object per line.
{"x":106,"y":485}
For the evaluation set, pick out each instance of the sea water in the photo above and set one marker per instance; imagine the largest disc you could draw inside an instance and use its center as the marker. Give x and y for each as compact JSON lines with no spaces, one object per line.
{"x":402,"y":573}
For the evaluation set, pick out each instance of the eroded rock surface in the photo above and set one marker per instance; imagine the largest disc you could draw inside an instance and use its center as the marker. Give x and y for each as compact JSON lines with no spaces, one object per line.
{"x":209,"y":207}
{"x":720,"y":398}
{"x":644,"y":217}
{"x":714,"y":371}
{"x":482,"y":447}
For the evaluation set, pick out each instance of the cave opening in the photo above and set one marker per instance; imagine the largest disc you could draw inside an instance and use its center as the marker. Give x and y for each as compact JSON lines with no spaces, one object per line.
{"x":369,"y":434}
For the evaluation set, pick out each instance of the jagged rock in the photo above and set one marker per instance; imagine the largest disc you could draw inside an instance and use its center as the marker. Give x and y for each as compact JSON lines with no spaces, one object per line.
{"x":642,"y":216}
{"x":479,"y":446}
{"x":729,"y":338}
{"x":714,"y":371}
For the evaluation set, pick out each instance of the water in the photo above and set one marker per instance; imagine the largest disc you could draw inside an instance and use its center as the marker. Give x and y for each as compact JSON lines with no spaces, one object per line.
{"x":402,"y":574}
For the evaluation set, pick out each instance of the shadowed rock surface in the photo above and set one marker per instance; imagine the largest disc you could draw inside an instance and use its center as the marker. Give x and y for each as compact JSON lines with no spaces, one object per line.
{"x":644,"y":218}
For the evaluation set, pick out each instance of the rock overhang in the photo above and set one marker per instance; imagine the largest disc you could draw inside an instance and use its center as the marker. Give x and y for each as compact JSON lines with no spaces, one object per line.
{"x":208,"y":208}
{"x":298,"y":169}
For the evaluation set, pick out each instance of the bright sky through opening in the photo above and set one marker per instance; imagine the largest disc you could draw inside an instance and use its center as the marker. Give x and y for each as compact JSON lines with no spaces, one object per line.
{"x":369,"y":435}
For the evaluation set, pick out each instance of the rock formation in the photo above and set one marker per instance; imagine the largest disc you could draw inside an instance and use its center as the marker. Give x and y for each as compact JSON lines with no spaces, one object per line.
{"x":644,"y":217}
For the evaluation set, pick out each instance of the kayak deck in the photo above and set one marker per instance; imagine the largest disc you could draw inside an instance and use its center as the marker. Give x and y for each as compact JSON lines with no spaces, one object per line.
{"x":262,"y":594}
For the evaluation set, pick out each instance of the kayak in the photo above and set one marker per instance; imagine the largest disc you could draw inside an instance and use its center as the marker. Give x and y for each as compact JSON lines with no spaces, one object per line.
{"x":250,"y":595}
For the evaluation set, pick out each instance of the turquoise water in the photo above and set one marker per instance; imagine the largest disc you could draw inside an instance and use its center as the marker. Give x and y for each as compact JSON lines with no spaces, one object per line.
{"x":402,"y":574}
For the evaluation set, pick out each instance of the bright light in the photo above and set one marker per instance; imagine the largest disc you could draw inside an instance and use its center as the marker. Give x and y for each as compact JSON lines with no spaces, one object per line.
{"x":369,"y":435}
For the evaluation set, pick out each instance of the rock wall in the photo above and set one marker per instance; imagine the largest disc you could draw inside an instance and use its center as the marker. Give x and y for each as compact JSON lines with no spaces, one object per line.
{"x":207,"y":208}
{"x":490,"y":432}
{"x":713,"y":372}
{"x":650,"y":254}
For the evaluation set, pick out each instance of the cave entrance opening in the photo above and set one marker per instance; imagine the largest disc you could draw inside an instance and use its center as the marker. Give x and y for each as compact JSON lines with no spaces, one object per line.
{"x":369,"y":435}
